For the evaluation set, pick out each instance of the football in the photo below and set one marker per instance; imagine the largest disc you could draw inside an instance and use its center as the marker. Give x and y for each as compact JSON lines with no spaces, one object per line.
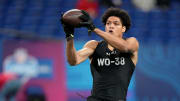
{"x":71,"y":17}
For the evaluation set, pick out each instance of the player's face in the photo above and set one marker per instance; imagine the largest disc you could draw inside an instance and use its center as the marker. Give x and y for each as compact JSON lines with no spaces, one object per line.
{"x":114,"y":26}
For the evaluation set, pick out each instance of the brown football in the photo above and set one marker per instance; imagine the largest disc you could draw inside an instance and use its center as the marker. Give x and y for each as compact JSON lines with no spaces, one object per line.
{"x":71,"y":17}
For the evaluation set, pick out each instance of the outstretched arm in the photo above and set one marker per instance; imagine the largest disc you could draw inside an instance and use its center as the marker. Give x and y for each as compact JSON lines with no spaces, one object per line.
{"x":76,"y":57}
{"x":129,"y":45}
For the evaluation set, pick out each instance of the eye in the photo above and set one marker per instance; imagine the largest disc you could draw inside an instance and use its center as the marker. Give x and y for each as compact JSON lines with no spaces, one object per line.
{"x":116,"y":23}
{"x":107,"y":23}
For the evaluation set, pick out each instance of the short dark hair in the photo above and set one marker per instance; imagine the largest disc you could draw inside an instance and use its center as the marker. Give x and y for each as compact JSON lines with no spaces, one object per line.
{"x":122,"y":14}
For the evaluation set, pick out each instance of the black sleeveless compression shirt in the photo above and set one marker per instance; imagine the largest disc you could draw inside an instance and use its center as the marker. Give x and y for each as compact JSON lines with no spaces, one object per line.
{"x":111,"y":72}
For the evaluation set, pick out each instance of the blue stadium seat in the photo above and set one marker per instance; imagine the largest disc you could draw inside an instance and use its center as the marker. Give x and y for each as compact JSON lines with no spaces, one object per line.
{"x":39,"y":16}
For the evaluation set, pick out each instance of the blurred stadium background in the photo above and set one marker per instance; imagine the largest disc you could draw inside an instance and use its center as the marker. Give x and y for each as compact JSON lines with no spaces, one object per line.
{"x":34,"y":26}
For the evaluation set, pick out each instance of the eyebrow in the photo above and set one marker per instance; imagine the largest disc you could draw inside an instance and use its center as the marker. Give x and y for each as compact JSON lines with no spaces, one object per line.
{"x":113,"y":21}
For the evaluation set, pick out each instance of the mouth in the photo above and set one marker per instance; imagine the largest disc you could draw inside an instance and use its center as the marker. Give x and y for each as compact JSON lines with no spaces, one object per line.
{"x":110,"y":31}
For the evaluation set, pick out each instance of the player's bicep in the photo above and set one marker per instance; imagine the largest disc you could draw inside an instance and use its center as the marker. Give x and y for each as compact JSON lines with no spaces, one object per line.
{"x":87,"y":51}
{"x":83,"y":54}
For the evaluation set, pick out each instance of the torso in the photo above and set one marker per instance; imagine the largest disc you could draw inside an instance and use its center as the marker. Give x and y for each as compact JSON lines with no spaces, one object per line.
{"x":112,"y":71}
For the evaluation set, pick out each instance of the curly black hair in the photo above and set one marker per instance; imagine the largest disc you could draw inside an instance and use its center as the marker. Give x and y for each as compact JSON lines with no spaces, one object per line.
{"x":122,"y":14}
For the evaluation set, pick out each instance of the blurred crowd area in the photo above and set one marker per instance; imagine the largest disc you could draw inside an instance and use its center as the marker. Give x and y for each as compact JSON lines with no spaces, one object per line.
{"x":40,"y":18}
{"x":155,"y":23}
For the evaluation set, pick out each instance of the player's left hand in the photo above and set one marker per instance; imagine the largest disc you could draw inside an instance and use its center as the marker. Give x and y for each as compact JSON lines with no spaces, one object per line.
{"x":69,"y":30}
{"x":87,"y":21}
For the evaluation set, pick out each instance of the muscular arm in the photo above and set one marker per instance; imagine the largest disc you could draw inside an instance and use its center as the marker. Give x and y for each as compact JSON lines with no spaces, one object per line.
{"x":76,"y":57}
{"x":129,"y":45}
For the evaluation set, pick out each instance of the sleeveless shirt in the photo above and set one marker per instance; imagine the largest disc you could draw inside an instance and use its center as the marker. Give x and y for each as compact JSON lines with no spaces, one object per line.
{"x":111,"y":72}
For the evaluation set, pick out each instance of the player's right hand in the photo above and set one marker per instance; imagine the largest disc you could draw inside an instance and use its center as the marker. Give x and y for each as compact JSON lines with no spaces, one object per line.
{"x":69,"y":30}
{"x":86,"y":21}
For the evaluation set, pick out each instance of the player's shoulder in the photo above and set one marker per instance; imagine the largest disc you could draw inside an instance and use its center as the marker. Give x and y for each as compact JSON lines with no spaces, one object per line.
{"x":91,"y":43}
{"x":132,"y":39}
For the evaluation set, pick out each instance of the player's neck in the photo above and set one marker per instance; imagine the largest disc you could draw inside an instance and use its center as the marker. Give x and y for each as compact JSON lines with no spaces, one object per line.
{"x":110,"y":47}
{"x":121,"y":36}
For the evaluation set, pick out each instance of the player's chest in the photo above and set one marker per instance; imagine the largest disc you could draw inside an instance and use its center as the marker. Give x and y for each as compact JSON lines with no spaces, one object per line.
{"x":110,"y":58}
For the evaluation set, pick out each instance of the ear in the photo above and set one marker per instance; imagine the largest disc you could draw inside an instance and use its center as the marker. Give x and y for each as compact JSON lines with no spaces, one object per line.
{"x":123,"y":29}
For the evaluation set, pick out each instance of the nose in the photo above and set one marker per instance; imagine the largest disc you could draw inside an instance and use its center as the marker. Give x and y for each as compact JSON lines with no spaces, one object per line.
{"x":111,"y":26}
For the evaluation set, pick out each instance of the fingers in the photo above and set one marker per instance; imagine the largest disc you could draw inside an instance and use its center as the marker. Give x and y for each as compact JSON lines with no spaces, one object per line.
{"x":85,"y":13}
{"x":84,"y":24}
{"x":84,"y":18}
{"x":61,"y":18}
